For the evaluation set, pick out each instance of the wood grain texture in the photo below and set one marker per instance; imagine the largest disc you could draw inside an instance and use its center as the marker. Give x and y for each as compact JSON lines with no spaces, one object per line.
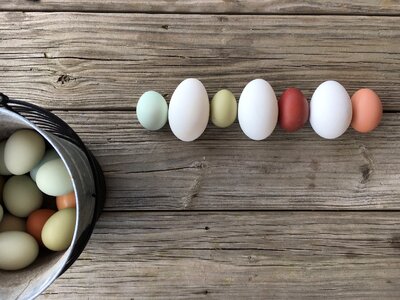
{"x":375,"y":7}
{"x":224,"y":170}
{"x":106,"y":61}
{"x":252,"y":255}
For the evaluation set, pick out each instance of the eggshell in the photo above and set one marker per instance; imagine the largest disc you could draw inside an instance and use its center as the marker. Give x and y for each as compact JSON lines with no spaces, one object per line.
{"x":223,"y":109}
{"x":3,"y":168}
{"x":258,"y":109}
{"x":12,"y":223}
{"x":53,"y":178}
{"x":330,"y":110}
{"x":58,"y":231}
{"x":367,"y":110}
{"x":189,"y":110}
{"x":66,"y":201}
{"x":21,"y":196}
{"x":17,"y":250}
{"x":23,"y":150}
{"x":36,"y":221}
{"x":293,"y":110}
{"x":1,"y":213}
{"x":1,"y":188}
{"x":152,"y":110}
{"x":49,"y":155}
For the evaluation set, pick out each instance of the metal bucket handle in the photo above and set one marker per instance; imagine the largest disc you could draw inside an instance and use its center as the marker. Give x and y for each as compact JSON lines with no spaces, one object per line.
{"x":49,"y":122}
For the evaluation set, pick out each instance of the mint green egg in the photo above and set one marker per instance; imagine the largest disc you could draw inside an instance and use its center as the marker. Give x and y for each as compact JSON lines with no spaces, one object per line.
{"x":152,"y":110}
{"x":223,"y":109}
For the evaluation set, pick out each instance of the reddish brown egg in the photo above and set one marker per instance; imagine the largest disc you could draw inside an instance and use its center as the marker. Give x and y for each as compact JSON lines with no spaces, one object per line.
{"x":66,"y":201}
{"x":293,"y":110}
{"x":367,"y":110}
{"x":36,"y":221}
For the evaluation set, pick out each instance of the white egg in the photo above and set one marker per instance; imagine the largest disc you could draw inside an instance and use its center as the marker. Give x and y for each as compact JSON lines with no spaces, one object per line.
{"x":330,"y":110}
{"x":189,"y":110}
{"x":258,"y":109}
{"x":17,"y":250}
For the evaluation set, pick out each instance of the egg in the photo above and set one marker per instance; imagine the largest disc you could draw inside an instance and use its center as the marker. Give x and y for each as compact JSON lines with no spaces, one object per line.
{"x":1,"y":188}
{"x":152,"y":110}
{"x":53,"y":178}
{"x":3,"y":168}
{"x":189,"y":110}
{"x":17,"y":250}
{"x":12,"y":223}
{"x":66,"y":201}
{"x":49,"y":155}
{"x":1,"y":213}
{"x":36,"y":221}
{"x":293,"y":110}
{"x":21,"y":196}
{"x":258,"y":110}
{"x":330,"y":110}
{"x":223,"y":109}
{"x":367,"y":110}
{"x":23,"y":150}
{"x":58,"y":231}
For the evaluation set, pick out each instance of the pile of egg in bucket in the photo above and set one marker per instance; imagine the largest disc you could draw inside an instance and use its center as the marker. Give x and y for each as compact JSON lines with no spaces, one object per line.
{"x":37,"y":200}
{"x":330,"y":111}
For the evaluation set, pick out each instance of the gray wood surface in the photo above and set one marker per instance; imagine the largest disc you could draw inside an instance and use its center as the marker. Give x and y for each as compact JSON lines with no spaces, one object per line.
{"x":224,"y":170}
{"x":106,"y":61}
{"x":291,"y":217}
{"x":379,"y":7}
{"x":244,"y":255}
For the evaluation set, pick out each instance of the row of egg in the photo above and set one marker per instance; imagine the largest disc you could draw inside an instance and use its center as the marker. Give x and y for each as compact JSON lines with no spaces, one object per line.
{"x":30,"y":217}
{"x":330,"y":111}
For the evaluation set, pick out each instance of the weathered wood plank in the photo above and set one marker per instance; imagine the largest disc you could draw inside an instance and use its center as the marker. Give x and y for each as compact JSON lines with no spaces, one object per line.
{"x":244,"y":255}
{"x":213,"y":6}
{"x":224,"y":170}
{"x":105,"y":61}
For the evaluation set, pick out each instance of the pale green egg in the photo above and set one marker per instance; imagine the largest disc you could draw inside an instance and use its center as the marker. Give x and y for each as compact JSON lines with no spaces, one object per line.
{"x":58,"y":231}
{"x":53,"y":178}
{"x":50,"y":155}
{"x":1,"y":188}
{"x":21,"y":196}
{"x":17,"y":250}
{"x":23,"y":150}
{"x":3,"y":168}
{"x":223,"y":109}
{"x":152,"y":110}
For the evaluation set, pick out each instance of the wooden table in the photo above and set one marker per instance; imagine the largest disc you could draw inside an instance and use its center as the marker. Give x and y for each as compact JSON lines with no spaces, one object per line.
{"x":223,"y":217}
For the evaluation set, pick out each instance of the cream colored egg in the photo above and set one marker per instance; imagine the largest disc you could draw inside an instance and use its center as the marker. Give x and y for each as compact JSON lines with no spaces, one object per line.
{"x":3,"y":168}
{"x":21,"y":196}
{"x":17,"y":250}
{"x":23,"y":150}
{"x":58,"y":231}
{"x":12,"y":223}
{"x":50,"y":155}
{"x":53,"y":178}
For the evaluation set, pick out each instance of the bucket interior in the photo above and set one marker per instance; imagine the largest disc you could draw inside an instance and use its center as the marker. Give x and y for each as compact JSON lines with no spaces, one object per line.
{"x":32,"y":280}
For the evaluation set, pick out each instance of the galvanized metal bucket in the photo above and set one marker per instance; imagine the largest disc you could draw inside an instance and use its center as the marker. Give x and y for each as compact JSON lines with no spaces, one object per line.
{"x":88,"y":182}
